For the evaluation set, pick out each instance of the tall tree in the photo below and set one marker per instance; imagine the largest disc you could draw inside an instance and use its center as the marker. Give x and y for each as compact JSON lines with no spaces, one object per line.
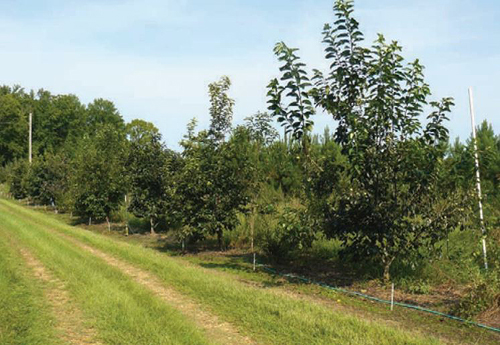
{"x":140,"y":131}
{"x":103,"y":112}
{"x":13,"y":125}
{"x":394,"y":204}
{"x":56,"y":120}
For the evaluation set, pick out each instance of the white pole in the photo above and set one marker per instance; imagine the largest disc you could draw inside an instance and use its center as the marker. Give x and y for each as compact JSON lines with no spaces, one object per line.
{"x":252,"y":228}
{"x":392,"y":297}
{"x":478,"y":178}
{"x":30,"y":137}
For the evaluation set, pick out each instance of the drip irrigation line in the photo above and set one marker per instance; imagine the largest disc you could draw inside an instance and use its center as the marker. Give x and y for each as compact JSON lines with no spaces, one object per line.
{"x":372,"y":298}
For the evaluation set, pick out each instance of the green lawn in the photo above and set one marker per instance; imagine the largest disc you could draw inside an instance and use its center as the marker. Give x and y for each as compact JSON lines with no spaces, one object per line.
{"x":114,"y":304}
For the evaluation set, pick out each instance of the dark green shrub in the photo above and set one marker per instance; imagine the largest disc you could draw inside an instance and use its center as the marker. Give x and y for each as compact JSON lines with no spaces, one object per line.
{"x":18,"y":178}
{"x":482,"y":294}
{"x":293,"y":232}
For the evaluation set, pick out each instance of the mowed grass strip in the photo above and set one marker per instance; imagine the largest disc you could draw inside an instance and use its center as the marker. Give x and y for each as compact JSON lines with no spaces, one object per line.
{"x":68,"y":319}
{"x":262,"y":315}
{"x":215,"y":329}
{"x":24,"y":314}
{"x":120,"y":310}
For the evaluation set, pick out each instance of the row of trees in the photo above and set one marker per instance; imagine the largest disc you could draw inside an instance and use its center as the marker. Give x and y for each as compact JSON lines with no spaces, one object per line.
{"x":93,"y":172}
{"x":384,"y":183}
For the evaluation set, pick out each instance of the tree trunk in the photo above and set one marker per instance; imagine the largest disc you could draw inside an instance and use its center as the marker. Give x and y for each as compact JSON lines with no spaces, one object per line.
{"x":152,"y":223}
{"x":126,"y":228}
{"x":109,"y":224}
{"x":90,"y":221}
{"x":387,"y":269}
{"x":219,"y":239}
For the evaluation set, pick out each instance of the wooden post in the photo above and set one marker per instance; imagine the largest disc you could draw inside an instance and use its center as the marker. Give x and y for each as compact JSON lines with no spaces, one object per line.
{"x":478,"y":178}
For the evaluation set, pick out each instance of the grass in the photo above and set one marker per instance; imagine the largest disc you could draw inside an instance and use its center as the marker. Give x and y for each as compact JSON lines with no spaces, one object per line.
{"x":120,"y":310}
{"x":239,"y":267}
{"x":24,"y":315}
{"x":264,"y":316}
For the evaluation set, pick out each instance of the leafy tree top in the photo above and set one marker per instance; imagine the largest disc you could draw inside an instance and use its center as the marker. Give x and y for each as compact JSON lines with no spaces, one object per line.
{"x":374,"y":96}
{"x":261,"y":128}
{"x":221,"y":108}
{"x":289,"y":99}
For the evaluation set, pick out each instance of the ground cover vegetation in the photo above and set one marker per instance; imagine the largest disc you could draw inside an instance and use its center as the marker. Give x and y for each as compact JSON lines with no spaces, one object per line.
{"x":121,"y":311}
{"x":387,"y":195}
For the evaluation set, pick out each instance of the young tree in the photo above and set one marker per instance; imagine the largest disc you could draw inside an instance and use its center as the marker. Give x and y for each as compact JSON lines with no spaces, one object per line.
{"x":148,"y":168}
{"x":98,"y":182}
{"x":394,"y":205}
{"x":48,"y":180}
{"x":214,"y":183}
{"x":282,"y":168}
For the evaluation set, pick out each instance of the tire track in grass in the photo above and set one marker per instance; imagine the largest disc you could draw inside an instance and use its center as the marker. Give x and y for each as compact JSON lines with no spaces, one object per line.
{"x":25,"y":314}
{"x":219,"y":331}
{"x":69,"y":319}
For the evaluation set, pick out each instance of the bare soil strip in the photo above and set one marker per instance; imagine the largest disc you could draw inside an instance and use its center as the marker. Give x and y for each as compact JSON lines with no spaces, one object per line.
{"x":215,"y":329}
{"x":69,"y":319}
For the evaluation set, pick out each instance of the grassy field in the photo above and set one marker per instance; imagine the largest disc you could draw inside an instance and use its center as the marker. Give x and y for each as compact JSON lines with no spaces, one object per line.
{"x":24,"y":315}
{"x":117,"y":308}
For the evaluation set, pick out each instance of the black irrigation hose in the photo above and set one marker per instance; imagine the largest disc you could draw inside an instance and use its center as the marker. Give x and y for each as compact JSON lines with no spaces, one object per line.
{"x":359,"y":294}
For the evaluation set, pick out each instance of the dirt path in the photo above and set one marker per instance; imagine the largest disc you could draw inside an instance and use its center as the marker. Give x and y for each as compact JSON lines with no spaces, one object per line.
{"x":216,"y":330}
{"x":69,"y":319}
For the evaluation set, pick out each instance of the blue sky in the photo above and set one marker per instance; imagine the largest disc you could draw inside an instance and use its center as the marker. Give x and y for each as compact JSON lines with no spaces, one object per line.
{"x":154,"y":58}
